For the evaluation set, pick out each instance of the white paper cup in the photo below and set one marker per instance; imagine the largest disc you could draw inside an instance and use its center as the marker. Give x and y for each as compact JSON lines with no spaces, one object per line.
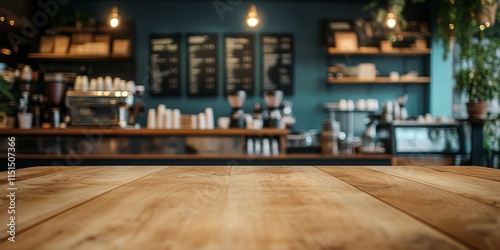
{"x":209,"y":117}
{"x":176,"y":119}
{"x":151,"y":119}
{"x":168,"y":119}
{"x":160,"y":116}
{"x":25,"y":120}
{"x":202,"y":121}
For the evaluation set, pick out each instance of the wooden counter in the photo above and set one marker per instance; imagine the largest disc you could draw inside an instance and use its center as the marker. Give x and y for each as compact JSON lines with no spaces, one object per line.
{"x":143,"y":132}
{"x":254,"y":208}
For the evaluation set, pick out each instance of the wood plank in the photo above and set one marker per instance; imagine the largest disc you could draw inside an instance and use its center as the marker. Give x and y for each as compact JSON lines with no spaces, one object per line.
{"x":478,"y":189}
{"x":480,"y":172}
{"x":207,"y":156}
{"x":469,"y":221}
{"x":33,"y":172}
{"x":39,"y":198}
{"x":235,"y":208}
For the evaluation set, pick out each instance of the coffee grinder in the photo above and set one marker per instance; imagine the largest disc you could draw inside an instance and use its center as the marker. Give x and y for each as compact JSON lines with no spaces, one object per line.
{"x":55,"y":87}
{"x":236,"y":100}
{"x":273,"y":100}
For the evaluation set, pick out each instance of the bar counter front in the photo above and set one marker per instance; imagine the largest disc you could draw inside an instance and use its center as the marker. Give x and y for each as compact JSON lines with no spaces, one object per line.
{"x":251,"y":207}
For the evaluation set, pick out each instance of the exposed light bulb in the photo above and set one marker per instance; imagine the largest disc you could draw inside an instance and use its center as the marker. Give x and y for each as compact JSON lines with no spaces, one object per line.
{"x":2,"y":18}
{"x":114,"y":19}
{"x":252,"y":16}
{"x":11,"y":22}
{"x":391,"y":20}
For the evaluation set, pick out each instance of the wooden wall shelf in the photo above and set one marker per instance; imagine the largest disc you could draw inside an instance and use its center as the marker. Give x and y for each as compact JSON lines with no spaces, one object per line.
{"x":54,"y":56}
{"x":379,"y":80}
{"x":396,"y":52}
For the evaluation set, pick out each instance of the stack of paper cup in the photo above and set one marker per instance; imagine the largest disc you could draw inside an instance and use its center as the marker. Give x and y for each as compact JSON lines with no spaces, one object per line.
{"x":202,"y":121}
{"x":176,"y":119}
{"x":160,"y":116}
{"x":209,"y":118}
{"x":151,"y":119}
{"x":168,"y":119}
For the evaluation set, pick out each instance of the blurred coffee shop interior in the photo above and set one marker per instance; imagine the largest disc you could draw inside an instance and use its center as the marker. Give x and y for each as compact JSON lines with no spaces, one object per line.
{"x":243,"y":82}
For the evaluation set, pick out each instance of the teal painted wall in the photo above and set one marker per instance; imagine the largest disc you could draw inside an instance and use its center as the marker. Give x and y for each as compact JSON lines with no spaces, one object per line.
{"x":298,"y":17}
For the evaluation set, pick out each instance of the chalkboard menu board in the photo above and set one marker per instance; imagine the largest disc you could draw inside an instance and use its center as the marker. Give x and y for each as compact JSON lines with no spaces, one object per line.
{"x":277,"y":62}
{"x":165,"y":64}
{"x":369,"y":33}
{"x":239,"y":61}
{"x":202,"y":65}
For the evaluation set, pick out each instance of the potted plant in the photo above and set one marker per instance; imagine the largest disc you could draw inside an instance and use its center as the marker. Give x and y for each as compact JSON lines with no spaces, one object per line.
{"x":492,"y":140}
{"x":7,"y":104}
{"x":478,"y":76}
{"x":470,"y":26}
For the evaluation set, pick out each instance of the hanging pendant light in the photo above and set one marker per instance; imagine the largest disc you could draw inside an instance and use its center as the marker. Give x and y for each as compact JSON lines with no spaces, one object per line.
{"x":114,"y":19}
{"x":252,"y":16}
{"x":390,"y":20}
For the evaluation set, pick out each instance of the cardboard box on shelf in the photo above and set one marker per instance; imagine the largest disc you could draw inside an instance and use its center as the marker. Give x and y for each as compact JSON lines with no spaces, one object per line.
{"x":81,"y":38}
{"x":121,"y":47}
{"x":346,"y":41}
{"x":46,"y":44}
{"x":61,"y":44}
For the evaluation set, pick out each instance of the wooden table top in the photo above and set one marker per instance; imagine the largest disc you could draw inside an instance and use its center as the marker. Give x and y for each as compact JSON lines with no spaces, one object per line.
{"x":253,"y":208}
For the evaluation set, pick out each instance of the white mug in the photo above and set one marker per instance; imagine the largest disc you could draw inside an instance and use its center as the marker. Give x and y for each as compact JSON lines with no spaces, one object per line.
{"x":342,"y":104}
{"x":25,"y":120}
{"x":223,"y":122}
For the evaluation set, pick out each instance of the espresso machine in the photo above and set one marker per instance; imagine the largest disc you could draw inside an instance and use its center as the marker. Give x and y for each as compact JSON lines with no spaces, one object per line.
{"x":99,"y":108}
{"x":273,"y":100}
{"x":236,"y":100}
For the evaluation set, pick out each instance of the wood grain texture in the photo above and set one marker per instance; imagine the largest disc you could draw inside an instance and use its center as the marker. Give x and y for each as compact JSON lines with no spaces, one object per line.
{"x":481,"y":172}
{"x":45,"y":195}
{"x":485,"y":191}
{"x":469,"y":221}
{"x":234,"y":208}
{"x":26,"y":174}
